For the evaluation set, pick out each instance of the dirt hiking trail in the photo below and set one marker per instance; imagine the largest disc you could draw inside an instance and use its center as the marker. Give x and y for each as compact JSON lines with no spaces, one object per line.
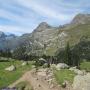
{"x":37,"y":84}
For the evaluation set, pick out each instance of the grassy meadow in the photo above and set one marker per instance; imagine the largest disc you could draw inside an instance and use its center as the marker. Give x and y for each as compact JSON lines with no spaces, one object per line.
{"x":6,"y":77}
{"x":85,"y":66}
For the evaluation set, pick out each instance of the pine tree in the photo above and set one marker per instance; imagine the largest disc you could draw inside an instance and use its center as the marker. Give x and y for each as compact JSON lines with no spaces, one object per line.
{"x":68,"y":59}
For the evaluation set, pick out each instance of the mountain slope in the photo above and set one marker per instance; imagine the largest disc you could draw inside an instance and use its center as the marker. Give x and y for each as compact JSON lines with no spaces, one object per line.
{"x":46,"y":39}
{"x":55,"y":38}
{"x":5,"y":40}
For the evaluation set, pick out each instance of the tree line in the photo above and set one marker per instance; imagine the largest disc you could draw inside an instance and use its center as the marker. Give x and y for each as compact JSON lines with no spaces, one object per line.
{"x":74,"y":55}
{"x":71,"y":55}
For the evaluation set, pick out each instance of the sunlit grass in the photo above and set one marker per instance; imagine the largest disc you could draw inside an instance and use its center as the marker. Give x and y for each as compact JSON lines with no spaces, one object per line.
{"x":6,"y":77}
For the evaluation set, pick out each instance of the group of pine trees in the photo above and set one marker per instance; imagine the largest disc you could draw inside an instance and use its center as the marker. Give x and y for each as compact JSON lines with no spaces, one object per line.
{"x":68,"y":56}
{"x":5,"y":53}
{"x":73,"y":55}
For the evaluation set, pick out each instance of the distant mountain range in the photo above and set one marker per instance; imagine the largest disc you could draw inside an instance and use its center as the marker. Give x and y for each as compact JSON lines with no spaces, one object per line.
{"x":46,"y":39}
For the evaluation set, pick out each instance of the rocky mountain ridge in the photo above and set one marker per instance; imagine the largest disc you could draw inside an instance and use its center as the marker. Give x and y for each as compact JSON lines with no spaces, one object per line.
{"x":46,"y":39}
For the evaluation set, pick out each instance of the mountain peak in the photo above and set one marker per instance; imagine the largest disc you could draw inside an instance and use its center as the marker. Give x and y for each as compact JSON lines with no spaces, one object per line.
{"x":81,"y":19}
{"x":42,"y":26}
{"x":2,"y":34}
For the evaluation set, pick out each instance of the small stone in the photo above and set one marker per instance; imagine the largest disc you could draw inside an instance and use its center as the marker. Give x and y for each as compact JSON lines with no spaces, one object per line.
{"x":51,"y":86}
{"x":64,"y":84}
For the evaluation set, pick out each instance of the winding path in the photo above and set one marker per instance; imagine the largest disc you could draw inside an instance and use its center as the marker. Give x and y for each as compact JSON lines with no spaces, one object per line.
{"x":29,"y":76}
{"x":39,"y":84}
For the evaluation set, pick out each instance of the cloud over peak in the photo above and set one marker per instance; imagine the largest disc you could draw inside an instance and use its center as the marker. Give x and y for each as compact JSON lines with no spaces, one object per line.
{"x":22,"y":16}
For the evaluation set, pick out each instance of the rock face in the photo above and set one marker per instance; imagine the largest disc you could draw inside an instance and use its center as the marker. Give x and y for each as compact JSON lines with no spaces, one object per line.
{"x":61,"y":66}
{"x":42,"y":26}
{"x":82,"y":82}
{"x":11,"y":68}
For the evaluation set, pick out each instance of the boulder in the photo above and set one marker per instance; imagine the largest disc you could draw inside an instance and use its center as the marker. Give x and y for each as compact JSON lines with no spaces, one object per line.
{"x":61,"y":66}
{"x":72,"y":68}
{"x":77,"y":71}
{"x":33,"y":66}
{"x":24,"y":63}
{"x":42,"y":60}
{"x":82,"y":82}
{"x":11,"y":68}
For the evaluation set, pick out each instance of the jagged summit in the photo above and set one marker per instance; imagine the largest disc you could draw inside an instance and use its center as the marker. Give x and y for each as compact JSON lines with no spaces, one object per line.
{"x":42,"y":26}
{"x":52,"y":37}
{"x":81,"y":19}
{"x":2,"y":34}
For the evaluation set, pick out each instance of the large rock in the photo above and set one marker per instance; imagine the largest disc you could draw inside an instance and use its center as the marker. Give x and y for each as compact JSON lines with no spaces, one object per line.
{"x":11,"y":68}
{"x":82,"y":82}
{"x":72,"y":68}
{"x":61,"y":66}
{"x":42,"y":59}
{"x":77,"y":71}
{"x":24,"y":63}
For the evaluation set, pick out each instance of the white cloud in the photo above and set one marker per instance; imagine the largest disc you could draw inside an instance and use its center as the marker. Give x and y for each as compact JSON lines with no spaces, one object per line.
{"x":14,"y":29}
{"x":43,"y":10}
{"x":17,"y":18}
{"x":36,"y":11}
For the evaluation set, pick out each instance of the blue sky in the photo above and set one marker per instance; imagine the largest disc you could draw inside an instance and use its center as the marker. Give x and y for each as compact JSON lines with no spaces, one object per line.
{"x":22,"y":16}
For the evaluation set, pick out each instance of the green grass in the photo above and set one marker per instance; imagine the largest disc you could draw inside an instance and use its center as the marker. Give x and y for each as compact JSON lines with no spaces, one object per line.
{"x":23,"y":86}
{"x":64,"y":75}
{"x":85,"y":66}
{"x":6,"y":77}
{"x":50,"y":51}
{"x":77,"y":32}
{"x":74,"y":35}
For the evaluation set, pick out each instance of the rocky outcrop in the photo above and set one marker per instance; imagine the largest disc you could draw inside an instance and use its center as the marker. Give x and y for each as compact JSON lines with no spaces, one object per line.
{"x":42,"y":26}
{"x":77,"y":71}
{"x":82,"y":82}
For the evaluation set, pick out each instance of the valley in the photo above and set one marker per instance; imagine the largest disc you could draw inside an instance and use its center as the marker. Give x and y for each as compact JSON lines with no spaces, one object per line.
{"x":49,"y":58}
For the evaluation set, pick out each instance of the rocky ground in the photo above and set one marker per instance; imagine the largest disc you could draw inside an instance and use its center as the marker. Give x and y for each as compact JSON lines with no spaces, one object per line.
{"x":43,"y":79}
